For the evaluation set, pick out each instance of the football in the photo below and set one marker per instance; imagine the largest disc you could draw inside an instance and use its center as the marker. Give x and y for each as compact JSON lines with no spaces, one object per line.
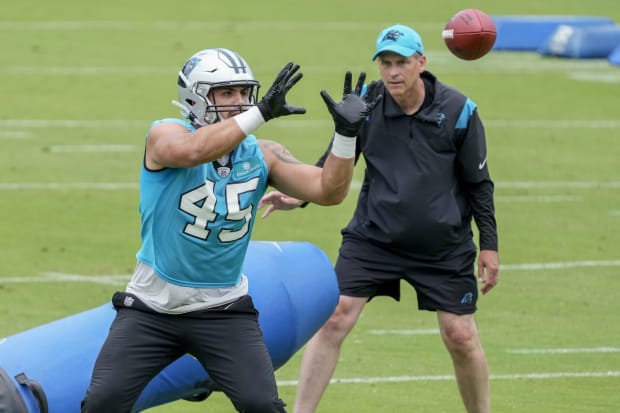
{"x":470,"y":34}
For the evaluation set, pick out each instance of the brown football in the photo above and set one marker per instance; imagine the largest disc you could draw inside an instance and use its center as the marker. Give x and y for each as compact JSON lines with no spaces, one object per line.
{"x":470,"y":34}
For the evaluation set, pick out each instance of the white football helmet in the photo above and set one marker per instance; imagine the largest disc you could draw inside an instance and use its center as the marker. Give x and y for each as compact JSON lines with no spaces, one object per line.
{"x":207,"y":69}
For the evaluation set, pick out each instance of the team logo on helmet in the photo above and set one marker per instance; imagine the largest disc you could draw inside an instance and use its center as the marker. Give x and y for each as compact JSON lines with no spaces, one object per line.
{"x":393,"y":35}
{"x":190,"y":65}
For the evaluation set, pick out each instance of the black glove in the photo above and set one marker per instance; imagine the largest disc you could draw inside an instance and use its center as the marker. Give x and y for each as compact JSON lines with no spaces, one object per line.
{"x":273,"y":104}
{"x":350,"y":113}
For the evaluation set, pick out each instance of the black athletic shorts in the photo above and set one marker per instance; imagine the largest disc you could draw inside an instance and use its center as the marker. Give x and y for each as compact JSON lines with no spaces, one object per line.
{"x":226,"y":340}
{"x":365,"y":269}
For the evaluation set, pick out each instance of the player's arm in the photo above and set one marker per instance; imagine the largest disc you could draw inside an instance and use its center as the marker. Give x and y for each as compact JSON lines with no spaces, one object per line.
{"x":329,"y":183}
{"x":171,"y":145}
{"x":324,"y":186}
{"x":278,"y":201}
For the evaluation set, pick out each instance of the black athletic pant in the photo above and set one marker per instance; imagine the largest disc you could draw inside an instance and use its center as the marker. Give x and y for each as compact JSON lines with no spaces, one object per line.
{"x":227,"y":341}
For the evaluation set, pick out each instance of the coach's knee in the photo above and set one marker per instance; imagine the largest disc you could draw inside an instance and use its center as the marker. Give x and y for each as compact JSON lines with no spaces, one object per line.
{"x":342,"y":320}
{"x":460,"y":334}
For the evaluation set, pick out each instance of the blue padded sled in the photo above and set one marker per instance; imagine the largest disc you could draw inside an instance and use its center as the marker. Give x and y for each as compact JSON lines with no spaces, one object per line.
{"x":293,"y":286}
{"x":614,"y":56}
{"x":582,"y":42}
{"x":528,"y":33}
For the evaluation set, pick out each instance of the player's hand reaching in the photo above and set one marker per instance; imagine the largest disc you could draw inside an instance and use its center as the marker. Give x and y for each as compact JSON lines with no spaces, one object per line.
{"x":276,"y":200}
{"x":273,"y":104}
{"x":350,"y":113}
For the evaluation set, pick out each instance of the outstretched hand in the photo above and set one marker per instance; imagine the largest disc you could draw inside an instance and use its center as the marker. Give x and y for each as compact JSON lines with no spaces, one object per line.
{"x":350,"y":113}
{"x":273,"y":104}
{"x":276,"y":200}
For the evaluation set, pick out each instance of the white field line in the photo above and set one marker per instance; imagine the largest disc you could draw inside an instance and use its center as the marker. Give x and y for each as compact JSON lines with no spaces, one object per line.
{"x":11,"y":186}
{"x":525,"y":351}
{"x":300,"y":123}
{"x":202,"y":26}
{"x":123,"y":71}
{"x":564,"y":350}
{"x":552,"y":123}
{"x":540,"y":185}
{"x":524,"y":376}
{"x":559,"y":265}
{"x":72,"y":123}
{"x":422,"y":332}
{"x":92,"y":148}
{"x":596,"y":77}
{"x":537,"y":198}
{"x":586,"y":70}
{"x":19,"y":134}
{"x":558,"y":185}
{"x":56,"y":277}
{"x":97,"y":186}
{"x":489,"y":123}
{"x":119,"y":278}
{"x":128,"y":71}
{"x":595,"y":74}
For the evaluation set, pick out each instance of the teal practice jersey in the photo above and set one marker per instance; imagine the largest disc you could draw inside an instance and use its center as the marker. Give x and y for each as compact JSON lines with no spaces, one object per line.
{"x":197,"y":222}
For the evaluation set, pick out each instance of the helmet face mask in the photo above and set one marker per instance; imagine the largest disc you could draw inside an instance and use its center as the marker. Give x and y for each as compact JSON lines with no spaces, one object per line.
{"x":207,"y":70}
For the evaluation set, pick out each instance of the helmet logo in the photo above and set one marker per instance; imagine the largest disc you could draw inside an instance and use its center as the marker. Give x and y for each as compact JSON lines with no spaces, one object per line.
{"x":190,"y":65}
{"x":233,"y":60}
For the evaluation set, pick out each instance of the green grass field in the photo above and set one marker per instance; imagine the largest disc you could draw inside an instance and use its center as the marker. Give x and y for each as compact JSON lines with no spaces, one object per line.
{"x":81,"y":82}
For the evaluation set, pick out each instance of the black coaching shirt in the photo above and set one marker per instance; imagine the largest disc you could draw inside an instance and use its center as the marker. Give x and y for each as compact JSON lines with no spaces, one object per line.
{"x":426,"y":176}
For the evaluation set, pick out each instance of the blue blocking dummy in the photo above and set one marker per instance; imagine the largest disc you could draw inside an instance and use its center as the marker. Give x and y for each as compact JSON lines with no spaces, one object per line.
{"x":530,"y":32}
{"x":589,"y":42}
{"x":48,"y":368}
{"x":614,"y":56}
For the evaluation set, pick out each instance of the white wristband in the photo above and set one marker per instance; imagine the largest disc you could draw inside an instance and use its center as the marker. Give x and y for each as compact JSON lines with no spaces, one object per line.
{"x":343,"y":146}
{"x":249,"y":120}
